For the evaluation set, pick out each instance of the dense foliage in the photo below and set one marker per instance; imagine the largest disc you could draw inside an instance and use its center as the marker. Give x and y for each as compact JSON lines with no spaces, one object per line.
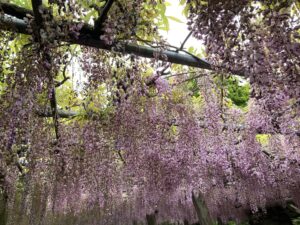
{"x":139,"y":136}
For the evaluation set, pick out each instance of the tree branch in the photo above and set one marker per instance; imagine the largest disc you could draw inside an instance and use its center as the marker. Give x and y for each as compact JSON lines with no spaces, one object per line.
{"x":192,"y":78}
{"x":36,"y":6}
{"x":167,"y":75}
{"x":102,"y":17}
{"x":185,"y":40}
{"x":58,"y":84}
{"x":121,"y":157}
{"x":60,"y":113}
{"x":14,"y":10}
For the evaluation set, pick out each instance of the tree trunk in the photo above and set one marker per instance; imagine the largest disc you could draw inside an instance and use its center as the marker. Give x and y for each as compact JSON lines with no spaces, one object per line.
{"x":202,"y":210}
{"x":3,"y":199}
{"x":3,"y":207}
{"x":151,"y":219}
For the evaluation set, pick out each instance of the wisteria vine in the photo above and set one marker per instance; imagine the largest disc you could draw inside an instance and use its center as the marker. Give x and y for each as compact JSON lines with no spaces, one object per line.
{"x":143,"y":143}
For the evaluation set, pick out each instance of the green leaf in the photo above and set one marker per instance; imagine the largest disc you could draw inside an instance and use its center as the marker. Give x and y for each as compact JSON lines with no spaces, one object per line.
{"x":163,"y":28}
{"x":22,"y":3}
{"x":182,"y":2}
{"x":168,"y":4}
{"x":175,"y":19}
{"x":204,"y":3}
{"x":89,"y":15}
{"x":162,"y":9}
{"x":166,"y":23}
{"x":186,"y":9}
{"x":191,"y":50}
{"x":238,"y":93}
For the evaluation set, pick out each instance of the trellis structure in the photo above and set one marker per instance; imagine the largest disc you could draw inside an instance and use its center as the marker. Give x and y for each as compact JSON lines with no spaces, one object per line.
{"x":13,"y":19}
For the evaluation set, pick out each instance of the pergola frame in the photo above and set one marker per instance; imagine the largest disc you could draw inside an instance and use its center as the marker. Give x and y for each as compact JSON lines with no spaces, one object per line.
{"x":13,"y":20}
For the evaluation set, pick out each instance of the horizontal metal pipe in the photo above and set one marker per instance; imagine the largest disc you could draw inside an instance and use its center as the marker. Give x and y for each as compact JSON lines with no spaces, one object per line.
{"x":13,"y":20}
